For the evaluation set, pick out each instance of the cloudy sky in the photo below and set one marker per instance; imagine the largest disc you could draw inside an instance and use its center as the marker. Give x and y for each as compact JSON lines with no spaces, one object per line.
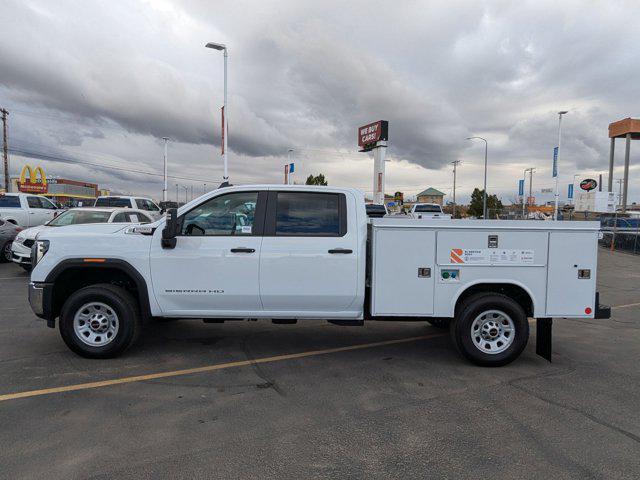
{"x":93,"y":86}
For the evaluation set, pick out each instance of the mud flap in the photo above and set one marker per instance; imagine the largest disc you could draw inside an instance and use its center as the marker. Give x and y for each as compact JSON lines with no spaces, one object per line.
{"x":543,"y":337}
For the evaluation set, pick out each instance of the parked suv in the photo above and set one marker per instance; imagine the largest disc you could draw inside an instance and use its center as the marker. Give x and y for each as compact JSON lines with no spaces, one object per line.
{"x":21,"y":248}
{"x":26,"y":210}
{"x":140,"y":203}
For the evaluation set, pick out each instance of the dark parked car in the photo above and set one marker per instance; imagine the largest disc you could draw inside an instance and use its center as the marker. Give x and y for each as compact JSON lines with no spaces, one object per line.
{"x":8,"y":232}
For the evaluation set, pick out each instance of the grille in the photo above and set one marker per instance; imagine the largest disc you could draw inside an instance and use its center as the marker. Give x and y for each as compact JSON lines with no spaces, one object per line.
{"x":28,"y":243}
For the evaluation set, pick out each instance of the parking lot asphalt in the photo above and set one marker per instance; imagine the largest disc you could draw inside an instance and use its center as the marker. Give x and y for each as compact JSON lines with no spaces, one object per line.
{"x":411,"y":409}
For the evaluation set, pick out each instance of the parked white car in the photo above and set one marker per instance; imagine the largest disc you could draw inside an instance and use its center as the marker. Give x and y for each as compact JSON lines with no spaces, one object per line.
{"x":428,"y":210}
{"x":21,"y":247}
{"x":26,"y":210}
{"x":139,"y":203}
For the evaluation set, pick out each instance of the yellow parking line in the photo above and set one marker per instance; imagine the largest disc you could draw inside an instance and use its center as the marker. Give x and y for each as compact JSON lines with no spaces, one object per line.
{"x":208,"y":368}
{"x":627,"y":305}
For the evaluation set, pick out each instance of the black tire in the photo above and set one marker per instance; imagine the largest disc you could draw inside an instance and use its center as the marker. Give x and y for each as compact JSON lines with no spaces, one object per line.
{"x":115,"y":298}
{"x":440,"y":322}
{"x":471,"y":346}
{"x":5,"y":254}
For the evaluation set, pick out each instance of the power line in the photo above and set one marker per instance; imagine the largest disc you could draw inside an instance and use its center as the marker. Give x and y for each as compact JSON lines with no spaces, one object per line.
{"x":56,"y":158}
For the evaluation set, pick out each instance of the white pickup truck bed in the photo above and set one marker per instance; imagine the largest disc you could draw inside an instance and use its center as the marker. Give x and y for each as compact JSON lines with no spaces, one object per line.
{"x":548,"y":260}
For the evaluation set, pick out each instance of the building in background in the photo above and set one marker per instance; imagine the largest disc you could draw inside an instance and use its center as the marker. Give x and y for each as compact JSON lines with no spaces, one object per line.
{"x":69,"y":193}
{"x":430,"y":195}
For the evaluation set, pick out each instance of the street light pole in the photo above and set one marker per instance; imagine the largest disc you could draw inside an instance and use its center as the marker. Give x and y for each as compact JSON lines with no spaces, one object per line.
{"x":484,"y":196}
{"x":530,"y":170}
{"x":225,"y":111}
{"x":455,"y":164}
{"x":164,"y":190}
{"x":556,"y":161}
{"x":177,"y":199}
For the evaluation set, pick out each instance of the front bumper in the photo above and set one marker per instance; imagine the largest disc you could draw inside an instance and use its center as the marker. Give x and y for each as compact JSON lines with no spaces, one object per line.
{"x":40,"y":300}
{"x":20,"y":254}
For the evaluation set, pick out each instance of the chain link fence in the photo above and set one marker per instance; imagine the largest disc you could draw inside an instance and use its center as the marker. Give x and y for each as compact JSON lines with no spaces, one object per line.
{"x":621,"y":233}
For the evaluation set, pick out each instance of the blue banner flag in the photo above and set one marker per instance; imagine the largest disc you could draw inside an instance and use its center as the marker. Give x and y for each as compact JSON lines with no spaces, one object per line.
{"x":521,"y":187}
{"x":555,"y":161}
{"x":291,"y":167}
{"x":570,"y":194}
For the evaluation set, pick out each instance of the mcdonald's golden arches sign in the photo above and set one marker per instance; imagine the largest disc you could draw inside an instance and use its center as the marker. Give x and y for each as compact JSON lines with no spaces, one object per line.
{"x":32,"y":180}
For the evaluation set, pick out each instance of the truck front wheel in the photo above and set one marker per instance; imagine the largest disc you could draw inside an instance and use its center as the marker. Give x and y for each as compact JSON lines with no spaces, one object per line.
{"x":100,"y":321}
{"x":490,"y":329}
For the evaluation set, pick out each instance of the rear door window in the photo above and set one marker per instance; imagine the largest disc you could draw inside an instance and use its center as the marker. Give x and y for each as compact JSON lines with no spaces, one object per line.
{"x":9,"y":201}
{"x":309,"y":214}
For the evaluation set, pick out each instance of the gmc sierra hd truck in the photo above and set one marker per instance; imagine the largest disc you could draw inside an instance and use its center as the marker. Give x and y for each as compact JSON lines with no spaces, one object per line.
{"x":290,"y":253}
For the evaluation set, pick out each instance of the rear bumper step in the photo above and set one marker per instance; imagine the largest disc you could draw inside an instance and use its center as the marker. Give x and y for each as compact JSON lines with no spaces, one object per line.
{"x":602,"y":311}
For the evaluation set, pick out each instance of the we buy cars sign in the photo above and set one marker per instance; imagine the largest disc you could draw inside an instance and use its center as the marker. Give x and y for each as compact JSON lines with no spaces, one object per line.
{"x":369,"y":135}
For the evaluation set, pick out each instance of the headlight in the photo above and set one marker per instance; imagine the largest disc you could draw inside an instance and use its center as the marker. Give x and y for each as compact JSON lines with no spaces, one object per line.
{"x":39,"y":249}
{"x":20,"y":238}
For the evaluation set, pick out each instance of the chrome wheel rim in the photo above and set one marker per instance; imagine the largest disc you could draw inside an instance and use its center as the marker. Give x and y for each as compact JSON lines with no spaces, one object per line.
{"x":493,"y":332}
{"x":7,"y":252}
{"x":96,"y":324}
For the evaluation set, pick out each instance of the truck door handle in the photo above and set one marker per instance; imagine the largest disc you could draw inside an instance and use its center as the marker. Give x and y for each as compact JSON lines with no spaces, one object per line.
{"x":340,"y":250}
{"x":243,"y":250}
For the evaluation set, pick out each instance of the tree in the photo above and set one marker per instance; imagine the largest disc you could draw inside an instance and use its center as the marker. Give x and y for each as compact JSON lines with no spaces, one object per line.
{"x":476,"y":205}
{"x":317,"y":180}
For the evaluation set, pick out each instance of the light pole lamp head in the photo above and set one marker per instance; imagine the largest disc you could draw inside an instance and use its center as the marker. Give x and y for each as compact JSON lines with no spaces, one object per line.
{"x":563,"y":112}
{"x":216,"y":46}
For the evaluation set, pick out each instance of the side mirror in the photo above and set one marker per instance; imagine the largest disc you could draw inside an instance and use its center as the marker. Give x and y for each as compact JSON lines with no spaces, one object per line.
{"x":170,"y":230}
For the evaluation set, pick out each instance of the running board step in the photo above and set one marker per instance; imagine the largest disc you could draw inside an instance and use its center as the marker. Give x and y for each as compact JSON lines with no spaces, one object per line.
{"x":347,"y":323}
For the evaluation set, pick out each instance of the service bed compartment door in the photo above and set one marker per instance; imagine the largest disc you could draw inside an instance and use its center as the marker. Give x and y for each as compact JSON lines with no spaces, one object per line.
{"x":569,"y":252}
{"x":403,"y":272}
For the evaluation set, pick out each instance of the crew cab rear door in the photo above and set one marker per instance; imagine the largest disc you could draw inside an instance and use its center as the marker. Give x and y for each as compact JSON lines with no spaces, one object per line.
{"x":213,"y":269}
{"x":309,"y":257}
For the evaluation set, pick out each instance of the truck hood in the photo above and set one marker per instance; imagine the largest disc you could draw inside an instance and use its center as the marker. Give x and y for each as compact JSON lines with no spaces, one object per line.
{"x":83,"y":230}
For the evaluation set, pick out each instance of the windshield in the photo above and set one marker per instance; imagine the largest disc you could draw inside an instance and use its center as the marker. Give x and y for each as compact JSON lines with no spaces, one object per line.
{"x":428,"y":208}
{"x":75,"y":217}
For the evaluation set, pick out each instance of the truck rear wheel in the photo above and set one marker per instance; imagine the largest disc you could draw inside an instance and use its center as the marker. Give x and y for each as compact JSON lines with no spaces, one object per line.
{"x":490,"y":329}
{"x":100,"y":321}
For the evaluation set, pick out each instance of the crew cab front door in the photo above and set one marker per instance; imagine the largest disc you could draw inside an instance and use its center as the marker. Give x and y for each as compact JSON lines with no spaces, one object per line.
{"x":213,"y":269}
{"x":41,"y":210}
{"x":309,"y":258}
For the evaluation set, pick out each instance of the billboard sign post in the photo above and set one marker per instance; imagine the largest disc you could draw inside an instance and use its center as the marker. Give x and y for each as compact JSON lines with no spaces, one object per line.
{"x":374,"y":136}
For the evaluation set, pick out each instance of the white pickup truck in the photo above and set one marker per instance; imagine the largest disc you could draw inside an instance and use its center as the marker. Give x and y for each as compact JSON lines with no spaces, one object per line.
{"x":290,"y":253}
{"x":26,"y":210}
{"x":428,"y":211}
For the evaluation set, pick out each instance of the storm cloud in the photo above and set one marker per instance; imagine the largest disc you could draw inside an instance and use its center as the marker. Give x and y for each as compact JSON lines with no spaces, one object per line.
{"x":105,"y":81}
